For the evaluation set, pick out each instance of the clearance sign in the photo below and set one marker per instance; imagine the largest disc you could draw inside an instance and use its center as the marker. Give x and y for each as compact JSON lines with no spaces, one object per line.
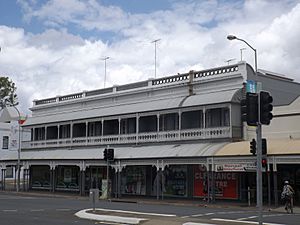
{"x":225,"y":183}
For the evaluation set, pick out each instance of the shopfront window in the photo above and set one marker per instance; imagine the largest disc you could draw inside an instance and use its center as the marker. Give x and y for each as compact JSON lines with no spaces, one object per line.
{"x":94,"y":177}
{"x":175,"y":180}
{"x":67,"y":178}
{"x":40,"y":177}
{"x":225,"y":183}
{"x":133,"y":180}
{"x":9,"y":172}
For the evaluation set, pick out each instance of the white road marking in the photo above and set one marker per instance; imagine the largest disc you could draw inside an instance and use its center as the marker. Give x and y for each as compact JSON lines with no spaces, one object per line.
{"x":197,"y":215}
{"x":63,"y":209}
{"x":249,"y":217}
{"x":220,"y":213}
{"x":243,"y":221}
{"x":10,"y":210}
{"x":37,"y":210}
{"x":110,"y":223}
{"x":235,"y":212}
{"x":191,"y":223}
{"x":15,"y":198}
{"x":134,"y":212}
{"x":280,"y":214}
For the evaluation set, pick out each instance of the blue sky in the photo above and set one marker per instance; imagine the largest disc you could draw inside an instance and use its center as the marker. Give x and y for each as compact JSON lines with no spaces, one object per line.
{"x":56,"y":47}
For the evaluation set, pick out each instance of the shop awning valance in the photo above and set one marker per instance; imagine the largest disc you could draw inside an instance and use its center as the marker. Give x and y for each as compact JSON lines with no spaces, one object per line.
{"x":275,"y":147}
{"x":139,"y":152}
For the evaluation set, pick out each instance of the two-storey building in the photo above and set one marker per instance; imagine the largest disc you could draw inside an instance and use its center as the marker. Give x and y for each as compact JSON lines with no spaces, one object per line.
{"x":175,"y":136}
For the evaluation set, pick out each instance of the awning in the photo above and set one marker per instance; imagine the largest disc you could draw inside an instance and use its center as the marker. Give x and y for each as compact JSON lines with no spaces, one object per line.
{"x":274,"y":147}
{"x":140,"y":152}
{"x":135,"y":107}
{"x":221,"y":96}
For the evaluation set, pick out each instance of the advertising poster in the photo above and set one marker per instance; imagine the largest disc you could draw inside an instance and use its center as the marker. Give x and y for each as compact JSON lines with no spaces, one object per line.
{"x":175,"y":180}
{"x":225,"y":183}
{"x":104,"y":189}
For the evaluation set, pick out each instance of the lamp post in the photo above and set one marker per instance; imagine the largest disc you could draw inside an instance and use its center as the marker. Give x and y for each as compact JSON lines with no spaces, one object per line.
{"x":105,"y":58}
{"x":259,"y":143}
{"x":155,"y":43}
{"x":232,"y":37}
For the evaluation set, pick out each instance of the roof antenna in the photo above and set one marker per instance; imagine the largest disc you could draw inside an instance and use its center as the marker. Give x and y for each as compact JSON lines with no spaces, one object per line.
{"x":229,"y":60}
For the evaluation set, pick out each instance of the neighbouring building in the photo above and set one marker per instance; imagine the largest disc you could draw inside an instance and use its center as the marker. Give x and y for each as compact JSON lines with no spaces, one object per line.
{"x":176,"y":136}
{"x":9,"y":145}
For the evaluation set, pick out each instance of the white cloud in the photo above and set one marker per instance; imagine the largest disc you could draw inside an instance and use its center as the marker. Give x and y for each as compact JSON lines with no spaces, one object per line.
{"x":193,"y":36}
{"x":88,"y":14}
{"x":54,"y":39}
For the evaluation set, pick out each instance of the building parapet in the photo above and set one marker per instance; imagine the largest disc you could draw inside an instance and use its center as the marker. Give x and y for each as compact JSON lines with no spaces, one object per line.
{"x":180,"y":78}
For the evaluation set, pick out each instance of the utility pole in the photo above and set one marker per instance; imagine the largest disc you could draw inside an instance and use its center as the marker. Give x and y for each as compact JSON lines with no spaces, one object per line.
{"x":155,"y":43}
{"x":105,"y":58}
{"x":242,"y":49}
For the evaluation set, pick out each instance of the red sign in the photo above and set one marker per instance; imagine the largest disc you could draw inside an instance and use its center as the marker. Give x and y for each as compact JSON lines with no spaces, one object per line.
{"x":225,"y":183}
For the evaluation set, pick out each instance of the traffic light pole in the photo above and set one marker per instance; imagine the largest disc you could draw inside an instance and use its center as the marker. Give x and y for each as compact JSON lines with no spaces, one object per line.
{"x":107,"y":177}
{"x":259,"y":199}
{"x":259,"y":141}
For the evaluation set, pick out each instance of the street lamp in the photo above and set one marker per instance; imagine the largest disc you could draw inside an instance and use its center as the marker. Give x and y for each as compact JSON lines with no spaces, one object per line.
{"x":232,"y":37}
{"x":105,"y":58}
{"x":259,"y":143}
{"x":3,"y":105}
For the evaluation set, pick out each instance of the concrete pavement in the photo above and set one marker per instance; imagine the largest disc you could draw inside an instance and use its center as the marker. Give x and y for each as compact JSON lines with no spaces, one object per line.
{"x":127,"y":217}
{"x":235,"y":206}
{"x":122,"y":217}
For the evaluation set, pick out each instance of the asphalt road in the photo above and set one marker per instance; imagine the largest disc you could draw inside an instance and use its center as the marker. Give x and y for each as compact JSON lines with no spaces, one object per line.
{"x":31,"y":209}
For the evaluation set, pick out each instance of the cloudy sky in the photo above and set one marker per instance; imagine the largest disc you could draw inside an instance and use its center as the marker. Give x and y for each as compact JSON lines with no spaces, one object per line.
{"x":56,"y":47}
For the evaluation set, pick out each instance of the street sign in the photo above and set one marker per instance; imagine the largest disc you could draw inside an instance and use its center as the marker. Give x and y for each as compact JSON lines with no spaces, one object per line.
{"x":236,"y":167}
{"x":251,"y":86}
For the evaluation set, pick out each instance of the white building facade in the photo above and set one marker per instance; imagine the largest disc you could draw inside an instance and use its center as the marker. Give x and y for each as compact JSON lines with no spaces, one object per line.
{"x":9,"y":145}
{"x":177,"y":136}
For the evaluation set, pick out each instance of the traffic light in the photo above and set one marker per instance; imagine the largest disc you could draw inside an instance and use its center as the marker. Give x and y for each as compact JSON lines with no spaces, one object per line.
{"x":105,"y":154}
{"x":264,"y":162}
{"x":264,"y":146}
{"x":265,"y":107}
{"x":250,"y":109}
{"x":253,"y":146}
{"x":110,"y":154}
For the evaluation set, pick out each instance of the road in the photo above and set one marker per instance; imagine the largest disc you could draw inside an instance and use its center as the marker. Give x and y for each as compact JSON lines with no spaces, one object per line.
{"x":32,"y":209}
